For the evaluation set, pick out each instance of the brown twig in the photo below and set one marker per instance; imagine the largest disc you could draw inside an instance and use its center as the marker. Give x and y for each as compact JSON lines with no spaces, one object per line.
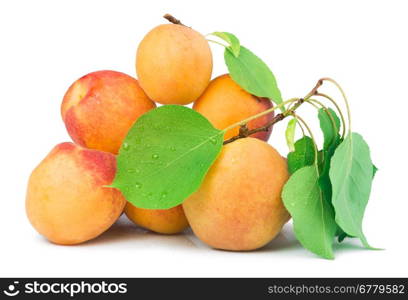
{"x":314,"y":91}
{"x":172,"y":19}
{"x":245,"y":132}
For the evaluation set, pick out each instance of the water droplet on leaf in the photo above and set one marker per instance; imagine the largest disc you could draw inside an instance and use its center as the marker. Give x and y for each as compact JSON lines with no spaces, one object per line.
{"x":155,"y":156}
{"x":126,"y":146}
{"x":138,"y":185}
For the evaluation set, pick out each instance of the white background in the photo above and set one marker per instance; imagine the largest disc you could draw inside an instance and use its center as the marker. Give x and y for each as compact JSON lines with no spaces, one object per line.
{"x":46,"y":45}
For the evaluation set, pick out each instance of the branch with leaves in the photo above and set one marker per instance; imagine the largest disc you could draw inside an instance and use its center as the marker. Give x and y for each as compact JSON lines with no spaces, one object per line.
{"x":329,"y":186}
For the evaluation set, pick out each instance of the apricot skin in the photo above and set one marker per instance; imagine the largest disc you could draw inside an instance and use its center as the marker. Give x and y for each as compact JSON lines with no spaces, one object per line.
{"x":99,"y":109}
{"x":174,"y":64}
{"x":238,"y":206}
{"x":165,"y":221}
{"x":224,"y":103}
{"x":66,"y":199}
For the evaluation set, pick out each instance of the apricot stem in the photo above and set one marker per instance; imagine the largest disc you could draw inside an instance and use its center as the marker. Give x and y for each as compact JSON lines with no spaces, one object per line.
{"x":265,"y":112}
{"x":311,"y":102}
{"x":314,"y":91}
{"x":301,"y":128}
{"x":344,"y":97}
{"x":172,"y":19}
{"x":314,"y":102}
{"x":343,"y":121}
{"x":218,"y":43}
{"x":245,"y":132}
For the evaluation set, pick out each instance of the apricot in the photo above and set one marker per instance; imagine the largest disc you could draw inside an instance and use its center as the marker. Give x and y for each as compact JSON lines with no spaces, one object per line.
{"x":174,"y":64}
{"x":67,"y":201}
{"x":239,"y":206}
{"x":166,"y":221}
{"x":224,"y":103}
{"x":99,"y":109}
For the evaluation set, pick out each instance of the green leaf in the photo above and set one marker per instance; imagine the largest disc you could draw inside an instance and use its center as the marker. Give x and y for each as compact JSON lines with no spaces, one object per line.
{"x":324,"y":166}
{"x":253,"y":75}
{"x":330,"y":125}
{"x":165,"y":156}
{"x":290,"y":134}
{"x":351,"y":175}
{"x":232,"y":40}
{"x":302,"y":156}
{"x":326,"y":155}
{"x":340,"y":233}
{"x":313,"y":217}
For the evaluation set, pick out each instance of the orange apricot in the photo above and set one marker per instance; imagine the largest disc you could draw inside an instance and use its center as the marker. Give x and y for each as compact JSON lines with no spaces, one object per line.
{"x":174,"y":64}
{"x":166,"y":221}
{"x":224,"y":103}
{"x":99,"y":109}
{"x":238,"y":206}
{"x":67,"y":201}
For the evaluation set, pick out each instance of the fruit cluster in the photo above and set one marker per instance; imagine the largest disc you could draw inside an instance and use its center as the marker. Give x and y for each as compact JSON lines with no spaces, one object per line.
{"x":238,"y":205}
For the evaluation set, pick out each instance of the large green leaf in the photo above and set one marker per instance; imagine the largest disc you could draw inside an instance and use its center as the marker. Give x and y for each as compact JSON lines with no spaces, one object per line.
{"x":165,"y":156}
{"x":351,"y":175}
{"x":302,"y":156}
{"x":253,"y":75}
{"x":313,"y":217}
{"x":340,"y":233}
